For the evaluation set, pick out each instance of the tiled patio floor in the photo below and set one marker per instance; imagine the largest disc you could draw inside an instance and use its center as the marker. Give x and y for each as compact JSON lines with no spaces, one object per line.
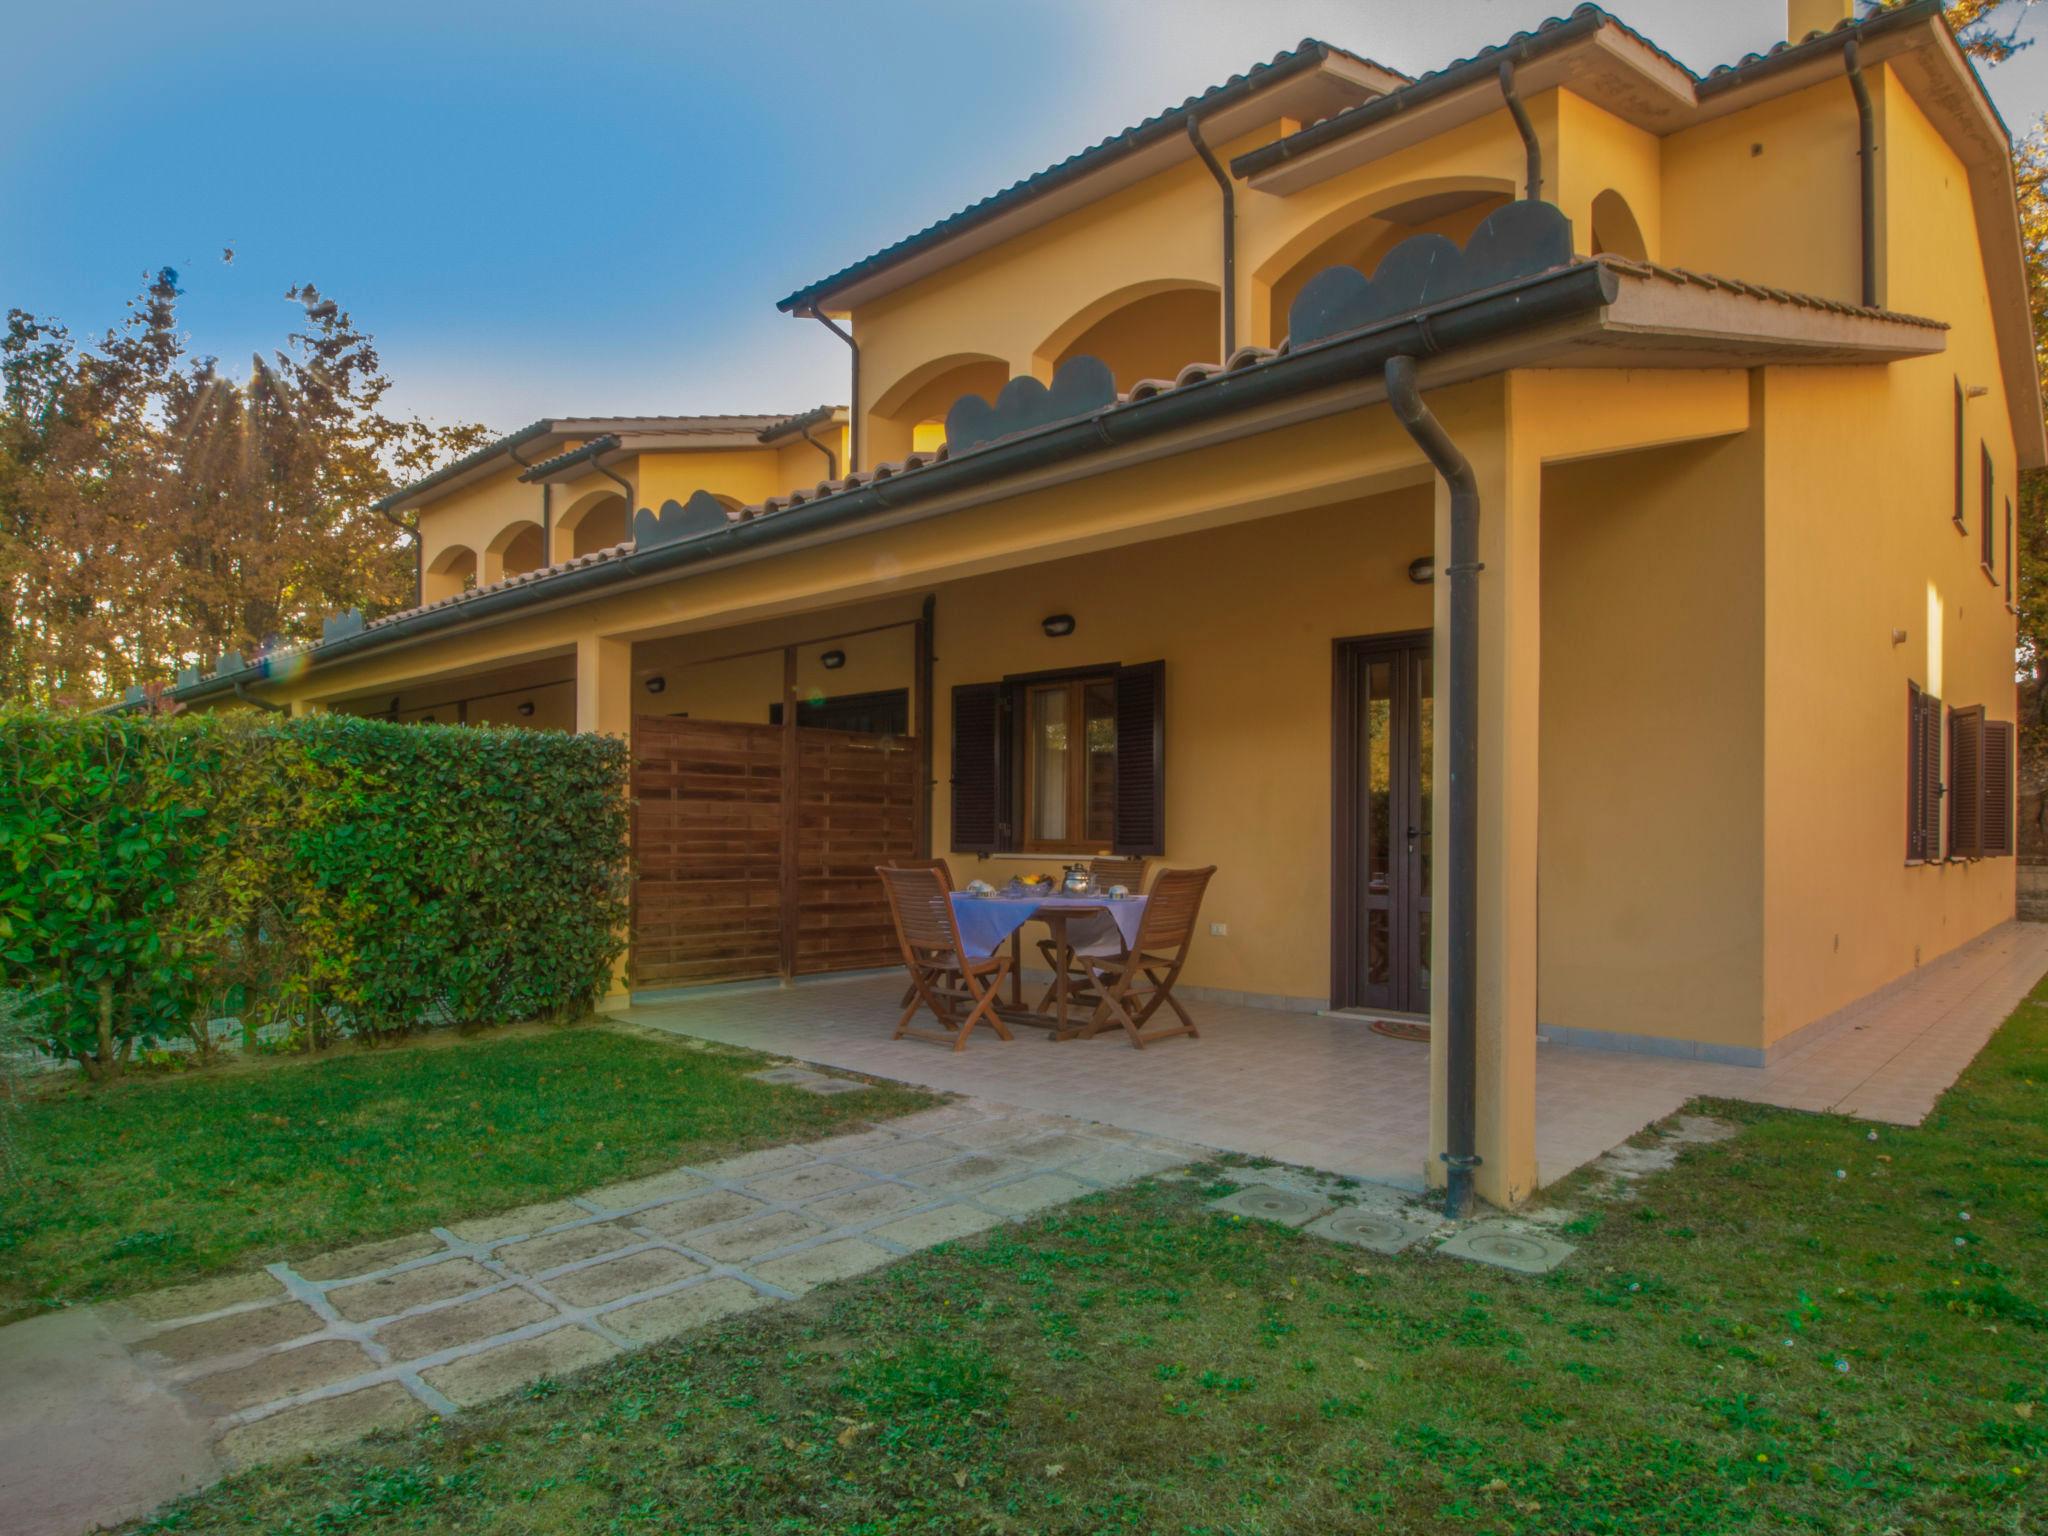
{"x":1330,"y":1094}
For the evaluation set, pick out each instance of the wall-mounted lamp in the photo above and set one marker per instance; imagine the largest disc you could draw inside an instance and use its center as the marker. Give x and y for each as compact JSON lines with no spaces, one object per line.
{"x":833,"y":660}
{"x":1898,"y":637}
{"x":1977,"y":391}
{"x":656,"y":683}
{"x":1057,"y":625}
{"x":1422,"y":570}
{"x":526,"y":709}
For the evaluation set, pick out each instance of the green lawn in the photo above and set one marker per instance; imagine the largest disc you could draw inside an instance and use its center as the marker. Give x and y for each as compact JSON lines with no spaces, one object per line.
{"x":1754,"y":1344}
{"x":165,"y":1178}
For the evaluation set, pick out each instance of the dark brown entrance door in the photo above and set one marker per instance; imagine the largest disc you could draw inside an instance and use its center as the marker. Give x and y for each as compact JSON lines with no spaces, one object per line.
{"x":1383,"y":735}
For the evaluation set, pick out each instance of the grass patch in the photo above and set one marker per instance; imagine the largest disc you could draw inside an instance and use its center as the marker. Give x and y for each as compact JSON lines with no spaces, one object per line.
{"x":161,"y":1179}
{"x":1752,"y":1345}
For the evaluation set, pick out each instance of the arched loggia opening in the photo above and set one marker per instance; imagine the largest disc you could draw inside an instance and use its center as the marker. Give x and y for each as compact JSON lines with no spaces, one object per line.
{"x":591,"y":523}
{"x":910,"y":415}
{"x":1615,"y":230}
{"x":451,"y":571}
{"x":1360,"y":235}
{"x":1150,"y":330}
{"x":516,"y":550}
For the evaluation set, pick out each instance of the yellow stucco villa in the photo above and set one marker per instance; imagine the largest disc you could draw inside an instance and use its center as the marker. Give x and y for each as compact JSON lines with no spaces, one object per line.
{"x":1542,"y":530}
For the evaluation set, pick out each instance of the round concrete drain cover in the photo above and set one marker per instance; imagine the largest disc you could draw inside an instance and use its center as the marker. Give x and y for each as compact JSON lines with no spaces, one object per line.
{"x":1375,"y":1231}
{"x":1507,"y":1247}
{"x":1263,"y":1202}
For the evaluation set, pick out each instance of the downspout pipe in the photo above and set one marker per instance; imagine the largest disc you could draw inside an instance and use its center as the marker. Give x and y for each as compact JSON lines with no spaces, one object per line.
{"x":1866,"y":152}
{"x":831,"y":458}
{"x":853,"y":414}
{"x":1461,"y":1029}
{"x":1531,"y":147}
{"x":624,"y":485}
{"x":1229,"y":235}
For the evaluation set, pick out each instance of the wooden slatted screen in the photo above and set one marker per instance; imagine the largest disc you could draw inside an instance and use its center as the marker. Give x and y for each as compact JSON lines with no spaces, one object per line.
{"x":1999,"y":759}
{"x":707,"y":897}
{"x":1966,"y":782}
{"x":856,"y":809}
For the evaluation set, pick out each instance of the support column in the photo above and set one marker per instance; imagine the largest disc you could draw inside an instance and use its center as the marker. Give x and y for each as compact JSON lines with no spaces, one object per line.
{"x":1479,"y":419}
{"x":300,"y":708}
{"x":604,"y":706}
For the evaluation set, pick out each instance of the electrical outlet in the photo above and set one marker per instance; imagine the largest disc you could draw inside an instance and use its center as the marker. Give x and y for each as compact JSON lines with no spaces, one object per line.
{"x":1219,"y":930}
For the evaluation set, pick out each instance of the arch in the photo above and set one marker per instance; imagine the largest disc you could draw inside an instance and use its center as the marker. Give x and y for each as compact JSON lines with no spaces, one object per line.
{"x":1615,"y":230}
{"x":451,"y":571}
{"x":911,"y":413}
{"x":1363,"y":230}
{"x":515,"y":551}
{"x":1095,"y":325}
{"x":594,"y":521}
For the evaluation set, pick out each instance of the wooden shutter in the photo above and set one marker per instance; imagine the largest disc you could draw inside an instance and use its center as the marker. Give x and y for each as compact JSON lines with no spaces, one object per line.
{"x":1998,"y":789}
{"x":2008,"y":552}
{"x":1923,"y":774}
{"x":1141,"y":759}
{"x":1987,"y":534}
{"x":1966,"y":783}
{"x":1957,"y":510}
{"x":980,"y":806}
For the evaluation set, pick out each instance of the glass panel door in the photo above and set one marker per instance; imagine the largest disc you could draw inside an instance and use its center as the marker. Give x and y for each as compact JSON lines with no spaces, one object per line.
{"x":1387,"y":720}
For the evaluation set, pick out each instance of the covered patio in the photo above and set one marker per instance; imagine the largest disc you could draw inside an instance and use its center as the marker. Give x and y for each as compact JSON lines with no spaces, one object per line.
{"x":1329,"y":1093}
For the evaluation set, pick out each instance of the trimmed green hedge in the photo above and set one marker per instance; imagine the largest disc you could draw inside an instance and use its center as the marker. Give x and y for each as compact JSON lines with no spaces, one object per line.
{"x":329,"y":874}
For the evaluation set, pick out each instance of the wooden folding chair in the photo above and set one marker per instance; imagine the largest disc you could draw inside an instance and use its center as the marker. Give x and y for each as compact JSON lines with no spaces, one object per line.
{"x":1135,"y":986}
{"x":945,"y":872}
{"x":1103,"y":873}
{"x":943,"y":976}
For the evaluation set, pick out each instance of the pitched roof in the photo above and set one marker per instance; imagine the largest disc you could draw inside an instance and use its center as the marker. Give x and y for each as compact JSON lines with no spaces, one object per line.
{"x":1168,"y":123}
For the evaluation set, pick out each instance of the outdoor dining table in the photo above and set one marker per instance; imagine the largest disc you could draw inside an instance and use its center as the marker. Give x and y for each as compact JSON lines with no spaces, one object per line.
{"x":986,"y":921}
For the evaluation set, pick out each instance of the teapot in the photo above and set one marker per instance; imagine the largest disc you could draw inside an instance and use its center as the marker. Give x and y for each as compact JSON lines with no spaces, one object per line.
{"x":1078,"y":880}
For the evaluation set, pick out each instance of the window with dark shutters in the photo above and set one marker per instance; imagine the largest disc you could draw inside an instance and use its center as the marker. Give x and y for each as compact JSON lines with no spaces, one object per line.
{"x":980,"y":803}
{"x":1987,"y":533}
{"x":997,"y":730}
{"x":1141,"y":759}
{"x":1998,"y":789}
{"x":1923,"y":775}
{"x":1957,"y":510}
{"x":1966,"y":782}
{"x":2008,"y":554}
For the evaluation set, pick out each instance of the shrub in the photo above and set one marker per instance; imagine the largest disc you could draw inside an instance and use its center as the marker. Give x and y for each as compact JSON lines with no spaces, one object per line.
{"x":332,"y":874}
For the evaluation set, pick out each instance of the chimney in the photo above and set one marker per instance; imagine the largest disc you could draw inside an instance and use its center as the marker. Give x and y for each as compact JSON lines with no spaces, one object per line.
{"x":1804,"y":16}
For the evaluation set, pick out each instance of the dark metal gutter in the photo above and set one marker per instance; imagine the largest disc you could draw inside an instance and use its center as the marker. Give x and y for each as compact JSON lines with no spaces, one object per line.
{"x":1522,"y":305}
{"x":561,"y":461}
{"x":1485,"y":65}
{"x":1229,"y":232}
{"x":1532,"y":147}
{"x":1461,"y":842}
{"x":1791,"y":55}
{"x":468,"y":461}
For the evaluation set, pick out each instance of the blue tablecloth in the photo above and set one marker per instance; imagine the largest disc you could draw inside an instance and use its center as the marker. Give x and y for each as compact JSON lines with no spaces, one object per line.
{"x":986,"y":921}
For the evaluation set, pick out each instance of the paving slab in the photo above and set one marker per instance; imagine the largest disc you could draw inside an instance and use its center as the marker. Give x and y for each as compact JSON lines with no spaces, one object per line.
{"x":467,"y":1322}
{"x":826,"y":1087}
{"x":1376,"y":1231}
{"x":368,"y":1258}
{"x":1123,"y":1165}
{"x":234,"y":1334}
{"x":788,"y":1077}
{"x":656,"y":1186}
{"x":796,"y":1185}
{"x":906,"y":1155}
{"x":367,"y":1299}
{"x":1033,"y":1194}
{"x":737,"y":1170}
{"x":751,"y":1239}
{"x":204,"y":1296}
{"x":687,"y":1216}
{"x":868,"y":1203}
{"x":647,"y":1270}
{"x":813,"y":1267}
{"x":521,"y":1218}
{"x":535,"y":1255}
{"x":1508,"y":1245}
{"x":283,"y":1373}
{"x":320,"y":1425}
{"x":969,"y":1172}
{"x":479,"y":1378}
{"x":663,"y":1317}
{"x":1268,"y":1202}
{"x":943,"y":1224}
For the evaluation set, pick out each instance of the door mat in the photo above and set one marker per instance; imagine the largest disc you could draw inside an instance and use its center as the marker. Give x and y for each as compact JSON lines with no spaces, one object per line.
{"x":1402,"y":1029}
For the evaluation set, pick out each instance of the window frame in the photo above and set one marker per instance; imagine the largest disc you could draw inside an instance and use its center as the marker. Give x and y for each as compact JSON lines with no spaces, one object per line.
{"x":2010,"y":553}
{"x":1987,"y":535}
{"x":1075,"y":685}
{"x":1959,"y":512}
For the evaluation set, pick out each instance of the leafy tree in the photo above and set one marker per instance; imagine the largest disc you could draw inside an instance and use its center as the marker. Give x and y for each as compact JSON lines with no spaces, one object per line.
{"x":155,"y":511}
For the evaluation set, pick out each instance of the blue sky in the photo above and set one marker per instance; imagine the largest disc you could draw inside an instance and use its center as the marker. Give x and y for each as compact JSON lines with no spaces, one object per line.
{"x":551,"y":210}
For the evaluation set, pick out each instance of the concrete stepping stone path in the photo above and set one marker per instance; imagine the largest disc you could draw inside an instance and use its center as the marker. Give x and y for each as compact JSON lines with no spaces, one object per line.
{"x":302,"y":1356}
